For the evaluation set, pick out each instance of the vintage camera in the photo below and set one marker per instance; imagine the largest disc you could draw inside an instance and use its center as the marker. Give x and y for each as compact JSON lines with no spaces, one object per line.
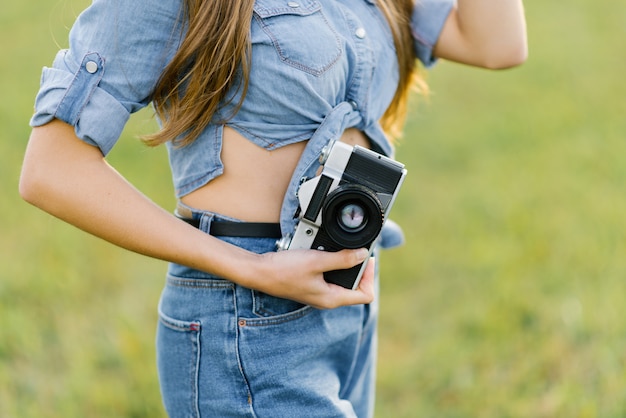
{"x":346,"y":205}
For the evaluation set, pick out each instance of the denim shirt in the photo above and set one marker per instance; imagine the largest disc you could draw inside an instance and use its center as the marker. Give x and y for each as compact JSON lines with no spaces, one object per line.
{"x":318,"y":67}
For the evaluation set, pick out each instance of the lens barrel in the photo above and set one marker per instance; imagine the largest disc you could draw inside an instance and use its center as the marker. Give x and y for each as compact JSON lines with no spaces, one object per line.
{"x":352,"y":216}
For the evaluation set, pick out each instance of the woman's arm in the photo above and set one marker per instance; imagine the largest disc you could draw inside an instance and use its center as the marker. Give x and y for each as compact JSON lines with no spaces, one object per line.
{"x":71,"y":180}
{"x":485,"y":33}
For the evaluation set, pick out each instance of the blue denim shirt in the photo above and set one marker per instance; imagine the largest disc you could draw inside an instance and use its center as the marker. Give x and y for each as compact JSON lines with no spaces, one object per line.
{"x":318,"y":68}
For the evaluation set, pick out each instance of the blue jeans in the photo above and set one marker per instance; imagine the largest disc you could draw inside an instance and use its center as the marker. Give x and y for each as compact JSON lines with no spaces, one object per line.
{"x":227,"y":351}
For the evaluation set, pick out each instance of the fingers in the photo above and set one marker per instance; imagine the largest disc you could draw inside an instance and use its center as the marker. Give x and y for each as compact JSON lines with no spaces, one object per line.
{"x":363,"y":294}
{"x":298,"y":275}
{"x":343,"y":259}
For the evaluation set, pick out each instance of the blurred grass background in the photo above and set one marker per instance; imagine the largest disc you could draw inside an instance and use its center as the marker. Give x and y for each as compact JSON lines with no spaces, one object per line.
{"x":507,"y":301}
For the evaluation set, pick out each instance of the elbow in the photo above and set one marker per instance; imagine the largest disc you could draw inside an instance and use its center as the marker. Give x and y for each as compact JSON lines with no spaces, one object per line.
{"x":40,"y":190}
{"x":37,"y":182}
{"x":47,"y":165}
{"x":31,"y":186}
{"x":497,"y":56}
{"x":508,"y":56}
{"x":509,"y":61}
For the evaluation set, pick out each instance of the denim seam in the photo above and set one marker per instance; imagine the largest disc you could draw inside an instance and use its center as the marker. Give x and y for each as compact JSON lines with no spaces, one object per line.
{"x":199,"y":283}
{"x":196,"y":376}
{"x":269,"y":145}
{"x":239,"y":362}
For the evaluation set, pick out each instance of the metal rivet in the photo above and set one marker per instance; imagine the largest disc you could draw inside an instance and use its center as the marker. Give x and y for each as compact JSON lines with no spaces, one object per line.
{"x":354,"y":104}
{"x":360,"y":33}
{"x":293,"y":4}
{"x":91,"y":67}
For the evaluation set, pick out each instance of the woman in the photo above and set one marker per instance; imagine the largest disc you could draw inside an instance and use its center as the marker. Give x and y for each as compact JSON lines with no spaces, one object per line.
{"x":248,"y":94}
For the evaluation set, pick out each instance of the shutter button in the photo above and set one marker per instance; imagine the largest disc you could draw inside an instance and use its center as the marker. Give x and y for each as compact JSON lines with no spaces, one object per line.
{"x":91,"y":67}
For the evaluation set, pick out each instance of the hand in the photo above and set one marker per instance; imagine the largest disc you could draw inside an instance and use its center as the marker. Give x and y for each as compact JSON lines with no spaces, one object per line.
{"x":298,"y":275}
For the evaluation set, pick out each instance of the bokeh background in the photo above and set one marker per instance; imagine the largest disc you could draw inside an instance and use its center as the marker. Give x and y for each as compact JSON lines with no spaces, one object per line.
{"x":508,"y":299}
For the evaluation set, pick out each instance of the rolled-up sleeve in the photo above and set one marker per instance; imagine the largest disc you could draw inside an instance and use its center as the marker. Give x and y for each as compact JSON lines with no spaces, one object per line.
{"x":427,"y":22}
{"x":117,"y":52}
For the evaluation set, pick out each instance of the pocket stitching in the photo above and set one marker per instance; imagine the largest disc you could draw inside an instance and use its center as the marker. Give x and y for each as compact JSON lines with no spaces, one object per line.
{"x":280,"y":51}
{"x":177,"y":324}
{"x":279,"y":319}
{"x":303,"y":10}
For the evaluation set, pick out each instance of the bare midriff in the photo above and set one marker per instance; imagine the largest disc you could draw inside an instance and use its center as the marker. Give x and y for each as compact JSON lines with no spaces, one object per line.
{"x":255,"y":180}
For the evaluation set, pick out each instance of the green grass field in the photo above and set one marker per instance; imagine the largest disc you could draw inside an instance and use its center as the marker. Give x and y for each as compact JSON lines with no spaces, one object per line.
{"x":507,"y":301}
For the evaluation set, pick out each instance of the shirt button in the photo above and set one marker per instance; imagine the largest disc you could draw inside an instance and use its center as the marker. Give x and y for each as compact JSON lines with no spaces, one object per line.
{"x":293,"y":4}
{"x":91,"y":67}
{"x":360,"y":33}
{"x":354,"y":104}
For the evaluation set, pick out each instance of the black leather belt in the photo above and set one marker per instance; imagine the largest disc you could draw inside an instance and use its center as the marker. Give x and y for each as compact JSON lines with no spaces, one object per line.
{"x":240,"y":229}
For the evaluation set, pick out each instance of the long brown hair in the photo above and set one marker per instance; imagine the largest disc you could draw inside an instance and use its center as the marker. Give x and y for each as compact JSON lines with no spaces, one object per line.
{"x":215,"y":56}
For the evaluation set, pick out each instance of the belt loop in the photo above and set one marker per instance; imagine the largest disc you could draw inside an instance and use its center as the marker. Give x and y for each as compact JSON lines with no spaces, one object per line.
{"x":202,"y":219}
{"x":183,"y":211}
{"x":205,"y":221}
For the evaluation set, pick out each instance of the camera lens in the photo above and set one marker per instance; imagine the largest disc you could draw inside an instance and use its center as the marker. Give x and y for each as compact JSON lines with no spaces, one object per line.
{"x":352,"y":216}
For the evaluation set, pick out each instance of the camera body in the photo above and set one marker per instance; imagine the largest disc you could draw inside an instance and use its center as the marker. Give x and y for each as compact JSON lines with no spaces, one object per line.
{"x":346,"y":205}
